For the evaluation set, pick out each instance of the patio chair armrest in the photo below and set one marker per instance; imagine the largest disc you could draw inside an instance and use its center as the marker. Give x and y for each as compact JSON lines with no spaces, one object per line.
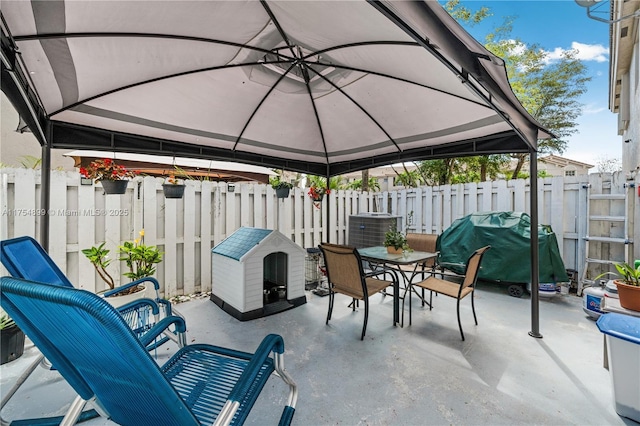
{"x":382,"y":270}
{"x":161,"y":326}
{"x":152,"y":280}
{"x":271,"y":343}
{"x":166,"y":305}
{"x":117,"y":290}
{"x":451,"y":265}
{"x":137,"y":304}
{"x":123,"y":287}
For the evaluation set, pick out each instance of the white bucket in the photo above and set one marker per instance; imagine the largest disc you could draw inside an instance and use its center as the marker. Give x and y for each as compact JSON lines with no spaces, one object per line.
{"x":592,"y":300}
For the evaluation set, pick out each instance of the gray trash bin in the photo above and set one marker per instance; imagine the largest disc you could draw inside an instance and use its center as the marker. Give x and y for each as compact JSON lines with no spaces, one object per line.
{"x":622,"y":334}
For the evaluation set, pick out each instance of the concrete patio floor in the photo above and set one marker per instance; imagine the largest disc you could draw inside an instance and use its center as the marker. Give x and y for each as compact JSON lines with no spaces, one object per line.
{"x":417,"y":375}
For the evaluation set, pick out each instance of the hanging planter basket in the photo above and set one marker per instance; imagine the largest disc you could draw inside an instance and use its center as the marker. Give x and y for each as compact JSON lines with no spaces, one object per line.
{"x":282,"y":192}
{"x":172,"y":190}
{"x":318,"y":198}
{"x":114,"y":186}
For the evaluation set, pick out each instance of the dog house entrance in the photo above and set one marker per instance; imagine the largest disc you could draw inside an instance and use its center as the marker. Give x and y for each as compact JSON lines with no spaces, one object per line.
{"x":275,"y":277}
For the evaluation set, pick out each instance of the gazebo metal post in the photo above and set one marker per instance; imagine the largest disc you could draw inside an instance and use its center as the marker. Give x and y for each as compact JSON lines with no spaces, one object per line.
{"x":45,"y":195}
{"x":535,"y":267}
{"x":328,"y":237}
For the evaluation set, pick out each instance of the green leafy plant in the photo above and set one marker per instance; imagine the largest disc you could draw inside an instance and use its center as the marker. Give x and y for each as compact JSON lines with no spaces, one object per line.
{"x":6,"y":322}
{"x":627,"y":273}
{"x":98,"y":256}
{"x":140,"y":258}
{"x":396,"y":239}
{"x":277,"y":183}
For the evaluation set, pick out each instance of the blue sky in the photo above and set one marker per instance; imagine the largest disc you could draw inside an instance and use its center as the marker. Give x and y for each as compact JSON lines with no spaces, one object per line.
{"x":557,"y":25}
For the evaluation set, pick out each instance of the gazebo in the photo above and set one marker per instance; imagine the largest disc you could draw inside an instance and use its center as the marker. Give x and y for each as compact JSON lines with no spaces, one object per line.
{"x":315,"y":87}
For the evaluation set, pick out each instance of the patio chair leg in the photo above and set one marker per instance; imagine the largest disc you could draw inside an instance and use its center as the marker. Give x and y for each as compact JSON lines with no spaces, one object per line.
{"x":366,"y":317}
{"x":459,"y":322}
{"x":473,"y":308}
{"x":331,"y":296}
{"x":430,"y":299}
{"x":74,"y":412}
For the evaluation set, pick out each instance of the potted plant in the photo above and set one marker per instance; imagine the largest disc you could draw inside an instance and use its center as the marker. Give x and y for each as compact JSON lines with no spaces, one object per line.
{"x":395,"y":241}
{"x":173,"y":187}
{"x":628,"y":285}
{"x":282,"y":188}
{"x":139,"y":258}
{"x":114,"y":177}
{"x":11,"y":340}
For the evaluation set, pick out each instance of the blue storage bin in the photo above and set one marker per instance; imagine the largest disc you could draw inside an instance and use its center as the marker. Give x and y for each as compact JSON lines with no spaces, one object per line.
{"x":622,"y":333}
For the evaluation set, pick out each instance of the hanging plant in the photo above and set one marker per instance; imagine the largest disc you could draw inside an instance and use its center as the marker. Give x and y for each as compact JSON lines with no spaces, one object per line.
{"x":282,"y":188}
{"x":114,"y":177}
{"x":173,"y":187}
{"x":317,"y":194}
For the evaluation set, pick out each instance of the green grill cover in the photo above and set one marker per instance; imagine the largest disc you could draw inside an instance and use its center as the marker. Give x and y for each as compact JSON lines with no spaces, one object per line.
{"x":509,"y":235}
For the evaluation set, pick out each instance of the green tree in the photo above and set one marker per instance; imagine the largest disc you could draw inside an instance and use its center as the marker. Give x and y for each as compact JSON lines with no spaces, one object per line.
{"x":321,"y":182}
{"x":548,"y":90}
{"x":373,"y":185}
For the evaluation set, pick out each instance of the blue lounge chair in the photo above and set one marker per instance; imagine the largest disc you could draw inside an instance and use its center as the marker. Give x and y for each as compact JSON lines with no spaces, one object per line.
{"x":200,"y":384}
{"x":25,"y":258}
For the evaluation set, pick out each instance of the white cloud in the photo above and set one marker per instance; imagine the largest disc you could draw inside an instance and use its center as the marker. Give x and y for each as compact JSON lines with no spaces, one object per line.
{"x":593,"y":108}
{"x":585,"y":52}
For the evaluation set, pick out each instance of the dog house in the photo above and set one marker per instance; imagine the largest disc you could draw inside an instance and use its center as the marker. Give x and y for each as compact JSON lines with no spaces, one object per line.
{"x":257,"y":272}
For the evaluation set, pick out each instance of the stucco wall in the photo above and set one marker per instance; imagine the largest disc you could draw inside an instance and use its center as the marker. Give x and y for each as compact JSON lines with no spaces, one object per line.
{"x":631,"y":137}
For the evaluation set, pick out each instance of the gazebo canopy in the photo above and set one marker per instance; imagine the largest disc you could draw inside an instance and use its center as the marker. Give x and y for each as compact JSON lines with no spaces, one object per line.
{"x":322,"y":87}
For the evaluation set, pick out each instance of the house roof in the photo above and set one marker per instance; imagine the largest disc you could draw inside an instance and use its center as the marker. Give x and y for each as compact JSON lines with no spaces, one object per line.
{"x":241,"y":242}
{"x":563,"y":162}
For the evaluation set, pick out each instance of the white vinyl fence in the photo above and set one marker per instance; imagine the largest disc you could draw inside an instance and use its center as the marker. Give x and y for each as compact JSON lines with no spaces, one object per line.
{"x":187,"y":229}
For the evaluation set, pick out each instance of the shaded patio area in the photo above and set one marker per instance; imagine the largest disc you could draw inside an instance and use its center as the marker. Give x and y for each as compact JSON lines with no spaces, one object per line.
{"x":419,"y":374}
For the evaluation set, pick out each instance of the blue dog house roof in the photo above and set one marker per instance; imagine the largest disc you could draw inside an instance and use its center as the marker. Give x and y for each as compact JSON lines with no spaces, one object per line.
{"x":240,"y":242}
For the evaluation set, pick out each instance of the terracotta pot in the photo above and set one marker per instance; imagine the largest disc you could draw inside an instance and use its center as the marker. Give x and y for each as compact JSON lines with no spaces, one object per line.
{"x":629,"y":295}
{"x":114,"y":186}
{"x":393,"y":250}
{"x":173,"y":190}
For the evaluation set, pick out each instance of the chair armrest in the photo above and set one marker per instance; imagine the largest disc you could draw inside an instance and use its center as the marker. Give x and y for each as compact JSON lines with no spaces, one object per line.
{"x":271,"y":343}
{"x":152,"y":280}
{"x":161,"y":326}
{"x":167,"y":306}
{"x":451,"y":266}
{"x":123,"y":287}
{"x":382,"y":270}
{"x":136,"y":304}
{"x":379,"y":270}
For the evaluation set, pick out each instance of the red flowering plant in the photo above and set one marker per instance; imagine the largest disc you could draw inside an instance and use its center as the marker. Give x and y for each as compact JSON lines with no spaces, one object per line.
{"x":317,"y":193}
{"x":107,"y":169}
